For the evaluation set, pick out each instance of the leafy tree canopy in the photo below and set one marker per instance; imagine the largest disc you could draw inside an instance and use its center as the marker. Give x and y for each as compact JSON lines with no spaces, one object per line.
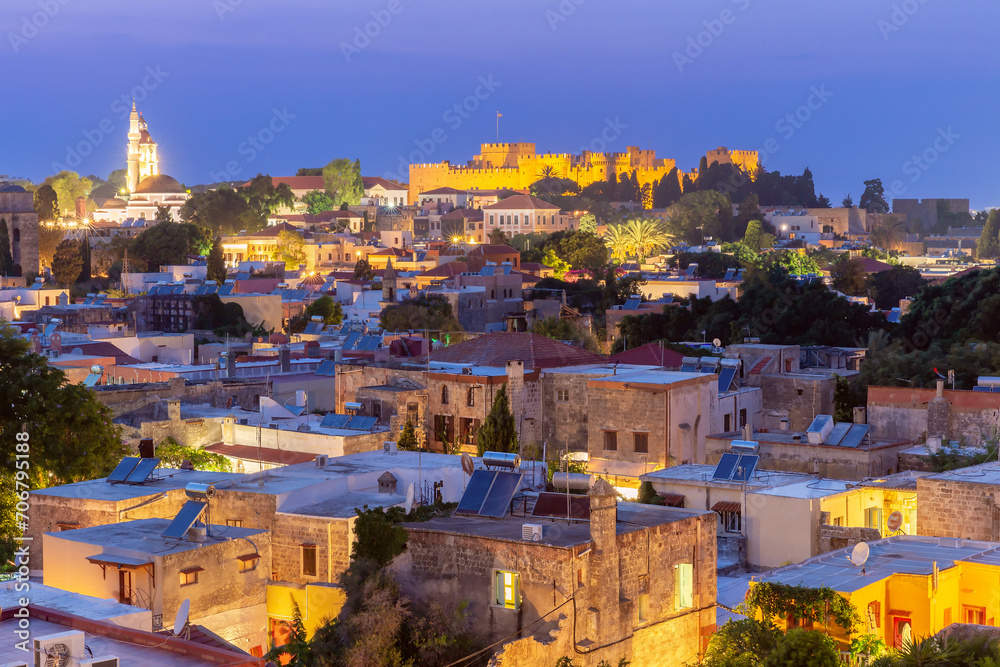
{"x":873,"y":198}
{"x":223,"y":211}
{"x":432,"y":313}
{"x":68,"y":186}
{"x":317,"y":201}
{"x":169,"y":243}
{"x":46,"y":204}
{"x":67,"y":262}
{"x":172,"y":454}
{"x":342,"y":179}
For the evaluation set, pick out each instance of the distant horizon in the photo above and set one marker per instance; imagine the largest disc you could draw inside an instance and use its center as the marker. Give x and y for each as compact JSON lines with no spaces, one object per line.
{"x":910,"y":101}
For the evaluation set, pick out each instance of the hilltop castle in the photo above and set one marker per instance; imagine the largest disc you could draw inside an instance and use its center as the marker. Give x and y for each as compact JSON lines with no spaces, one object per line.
{"x":516,"y":166}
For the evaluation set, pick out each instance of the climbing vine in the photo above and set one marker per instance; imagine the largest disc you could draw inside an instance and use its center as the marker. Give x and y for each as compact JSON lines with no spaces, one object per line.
{"x":801,"y":603}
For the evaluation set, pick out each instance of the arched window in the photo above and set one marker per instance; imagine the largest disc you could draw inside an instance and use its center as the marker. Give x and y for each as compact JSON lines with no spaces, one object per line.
{"x":444,"y":394}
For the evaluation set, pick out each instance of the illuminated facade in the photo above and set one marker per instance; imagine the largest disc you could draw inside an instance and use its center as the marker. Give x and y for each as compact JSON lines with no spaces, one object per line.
{"x":516,"y":166}
{"x":142,"y":160}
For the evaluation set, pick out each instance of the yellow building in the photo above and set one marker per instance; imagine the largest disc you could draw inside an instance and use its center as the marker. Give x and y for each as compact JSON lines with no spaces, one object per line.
{"x":317,"y":604}
{"x":516,"y":166}
{"x":910,"y":587}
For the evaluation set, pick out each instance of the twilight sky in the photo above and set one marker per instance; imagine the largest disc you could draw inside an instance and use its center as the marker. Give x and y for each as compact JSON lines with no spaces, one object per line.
{"x":904,"y":90}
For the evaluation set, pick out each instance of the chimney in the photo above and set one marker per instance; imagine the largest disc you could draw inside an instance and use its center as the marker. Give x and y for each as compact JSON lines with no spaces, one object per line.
{"x":861,"y":415}
{"x":284,"y":359}
{"x":55,"y":342}
{"x":604,"y":590}
{"x":940,"y":389}
{"x":147,"y":449}
{"x":231,"y":364}
{"x":81,"y":208}
{"x":36,"y":342}
{"x":174,"y":410}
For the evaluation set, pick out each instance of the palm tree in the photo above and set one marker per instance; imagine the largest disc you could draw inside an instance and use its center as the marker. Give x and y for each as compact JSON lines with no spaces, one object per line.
{"x":887,"y":231}
{"x":646,"y":235}
{"x":618,"y":241}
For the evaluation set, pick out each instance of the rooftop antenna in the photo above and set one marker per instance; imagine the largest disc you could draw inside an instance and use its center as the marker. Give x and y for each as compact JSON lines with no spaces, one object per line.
{"x":859,"y":556}
{"x":181,"y":620}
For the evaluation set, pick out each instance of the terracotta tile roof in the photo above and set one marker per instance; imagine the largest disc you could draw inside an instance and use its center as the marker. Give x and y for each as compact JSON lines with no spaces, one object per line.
{"x":369,"y":182}
{"x":443,"y":191}
{"x":650,"y":354}
{"x":463,"y":214}
{"x":873,"y":265}
{"x":759,"y":367}
{"x":727,"y":506}
{"x":488,"y":249}
{"x":285,"y":457}
{"x":673,"y":499}
{"x":391,"y":252}
{"x":520,"y":203}
{"x":274,"y":230}
{"x":447,"y":270}
{"x":535,"y":350}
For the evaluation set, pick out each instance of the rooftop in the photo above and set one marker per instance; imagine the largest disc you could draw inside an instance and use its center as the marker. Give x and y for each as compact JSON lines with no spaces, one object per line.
{"x":985,"y":473}
{"x":903,"y":554}
{"x":165,"y":479}
{"x":73,"y":603}
{"x":343,"y":506}
{"x":146,"y":536}
{"x":809,"y":489}
{"x":701,"y":475}
{"x":496,"y":349}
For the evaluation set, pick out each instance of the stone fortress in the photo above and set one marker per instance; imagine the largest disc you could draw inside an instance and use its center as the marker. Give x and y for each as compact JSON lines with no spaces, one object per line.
{"x":516,"y":166}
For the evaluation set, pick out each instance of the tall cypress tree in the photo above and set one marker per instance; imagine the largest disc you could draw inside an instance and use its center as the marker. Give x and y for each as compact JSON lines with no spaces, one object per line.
{"x":6,"y":259}
{"x":499,"y":432}
{"x":216,"y":263}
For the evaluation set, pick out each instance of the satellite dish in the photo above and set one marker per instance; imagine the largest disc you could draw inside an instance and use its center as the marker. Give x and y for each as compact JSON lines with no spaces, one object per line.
{"x":716,"y":342}
{"x":467,"y":465}
{"x":409,"y":498}
{"x":894,"y":522}
{"x":182,"y":617}
{"x":859,"y":556}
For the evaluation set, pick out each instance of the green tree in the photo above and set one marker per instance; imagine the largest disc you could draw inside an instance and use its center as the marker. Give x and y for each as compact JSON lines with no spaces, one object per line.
{"x":849,"y":276}
{"x":745,"y":255}
{"x":68,"y":186}
{"x":6,"y":259}
{"x":317,"y":201}
{"x":172,"y":454}
{"x":648,"y":495}
{"x":297,"y":650}
{"x":424,"y":313}
{"x":363,"y":270}
{"x":553,"y":261}
{"x":557,"y":328}
{"x":216,"y":269}
{"x":222,"y":211}
{"x":892,"y":285}
{"x":795,"y":263}
{"x":326,"y":307}
{"x":667,"y":190}
{"x":46,"y":204}
{"x":499,"y":431}
{"x":873,"y":198}
{"x":887,"y":231}
{"x":742,"y":643}
{"x":163,"y":213}
{"x":588,"y":223}
{"x":583,"y":251}
{"x":407,"y":437}
{"x":989,"y":240}
{"x":698,"y":215}
{"x":67,"y":262}
{"x":497,"y":237}
{"x":169,"y":243}
{"x":71,"y":434}
{"x":342,"y":179}
{"x":804,"y":647}
{"x":847,"y":202}
{"x":751,"y":239}
{"x":290,"y":249}
{"x":378,"y":538}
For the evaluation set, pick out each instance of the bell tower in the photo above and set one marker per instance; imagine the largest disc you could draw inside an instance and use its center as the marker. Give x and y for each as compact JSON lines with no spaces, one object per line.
{"x":133,"y":149}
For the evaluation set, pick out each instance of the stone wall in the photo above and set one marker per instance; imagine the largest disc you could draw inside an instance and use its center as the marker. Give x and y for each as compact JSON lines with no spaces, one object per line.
{"x":827,"y":461}
{"x":18,"y":210}
{"x":831,"y":538}
{"x":903,"y":413}
{"x":187,"y":432}
{"x":134,"y":404}
{"x":797,"y":398}
{"x":333,"y":538}
{"x":953,"y":508}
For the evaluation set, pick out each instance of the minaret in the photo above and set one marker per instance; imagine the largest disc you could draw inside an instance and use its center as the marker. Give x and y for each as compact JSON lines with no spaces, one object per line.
{"x":389,"y":284}
{"x":133,"y":149}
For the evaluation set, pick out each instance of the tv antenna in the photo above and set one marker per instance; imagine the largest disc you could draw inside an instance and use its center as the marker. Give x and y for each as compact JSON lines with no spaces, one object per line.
{"x":859,"y":556}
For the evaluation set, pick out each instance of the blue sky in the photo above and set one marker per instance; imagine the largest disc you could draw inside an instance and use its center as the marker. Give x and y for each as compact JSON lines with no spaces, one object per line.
{"x":899,"y":80}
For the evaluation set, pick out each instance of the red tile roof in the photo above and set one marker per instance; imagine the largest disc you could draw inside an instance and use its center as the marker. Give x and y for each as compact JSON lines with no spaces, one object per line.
{"x":463,"y":214}
{"x":520,"y":203}
{"x":443,"y":191}
{"x":447,"y":270}
{"x":298,"y":182}
{"x":368,"y":182}
{"x":759,"y":367}
{"x":873,"y":265}
{"x":488,"y":249}
{"x":535,"y":350}
{"x":650,"y":354}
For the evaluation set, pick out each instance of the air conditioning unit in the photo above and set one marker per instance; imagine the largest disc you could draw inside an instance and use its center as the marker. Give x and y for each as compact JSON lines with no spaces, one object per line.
{"x":389,"y":447}
{"x":60,"y":649}
{"x":322,"y":460}
{"x":531,"y":532}
{"x":103,"y":661}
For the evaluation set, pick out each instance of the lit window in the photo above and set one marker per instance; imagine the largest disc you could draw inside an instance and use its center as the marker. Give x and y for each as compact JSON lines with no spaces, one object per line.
{"x":974,"y":615}
{"x":683,"y":586}
{"x":309,"y":560}
{"x":643,"y":607}
{"x":640,"y":443}
{"x":611,"y":441}
{"x":507,"y":589}
{"x":873,"y":517}
{"x":235,"y":523}
{"x":562,"y":395}
{"x":190,"y":576}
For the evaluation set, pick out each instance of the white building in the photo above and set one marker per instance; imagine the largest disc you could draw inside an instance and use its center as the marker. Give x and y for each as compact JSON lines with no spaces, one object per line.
{"x":381,"y":192}
{"x":521,"y":214}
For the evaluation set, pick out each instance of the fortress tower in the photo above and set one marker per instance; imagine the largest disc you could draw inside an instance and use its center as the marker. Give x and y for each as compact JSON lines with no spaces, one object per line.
{"x":142,"y":160}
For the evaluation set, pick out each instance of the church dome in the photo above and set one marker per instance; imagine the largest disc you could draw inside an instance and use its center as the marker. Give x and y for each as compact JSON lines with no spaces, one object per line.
{"x":161,"y":183}
{"x":11,"y":188}
{"x":114,"y":203}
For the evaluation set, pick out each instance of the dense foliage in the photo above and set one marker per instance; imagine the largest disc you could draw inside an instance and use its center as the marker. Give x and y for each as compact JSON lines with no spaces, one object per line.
{"x":499,"y":431}
{"x":424,"y":313}
{"x":172,"y":454}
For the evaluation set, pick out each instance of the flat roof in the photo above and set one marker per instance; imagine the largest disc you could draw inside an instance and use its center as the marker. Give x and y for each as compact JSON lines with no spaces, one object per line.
{"x":600,"y":369}
{"x":814,"y":488}
{"x":654,"y":375}
{"x":903,"y":554}
{"x":73,"y":603}
{"x":165,"y":479}
{"x":146,"y":535}
{"x":901,"y":481}
{"x":985,"y":473}
{"x":555,"y":532}
{"x":701,"y":475}
{"x":343,"y":506}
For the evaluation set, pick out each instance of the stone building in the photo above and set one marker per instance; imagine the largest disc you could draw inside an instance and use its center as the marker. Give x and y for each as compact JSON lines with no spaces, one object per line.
{"x":951,"y":415}
{"x":925,"y":214}
{"x":635,"y":581}
{"x":17,"y":208}
{"x":962,"y":503}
